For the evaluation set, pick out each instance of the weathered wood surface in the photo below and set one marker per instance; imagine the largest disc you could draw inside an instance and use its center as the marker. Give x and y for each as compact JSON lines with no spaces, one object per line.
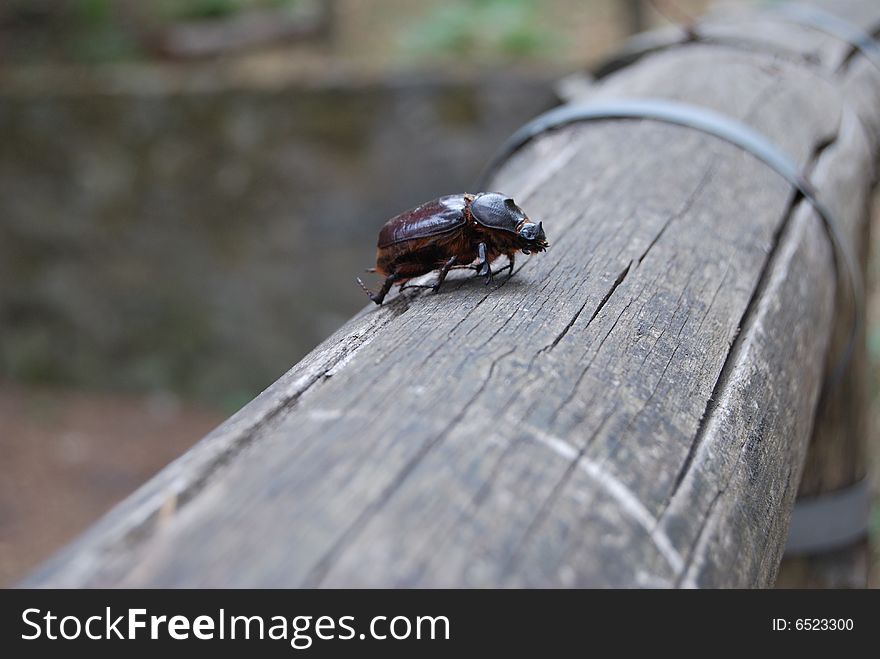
{"x":631,"y":409}
{"x":837,"y":458}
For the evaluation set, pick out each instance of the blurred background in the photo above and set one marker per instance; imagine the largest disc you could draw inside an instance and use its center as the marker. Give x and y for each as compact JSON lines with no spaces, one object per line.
{"x":188,"y":188}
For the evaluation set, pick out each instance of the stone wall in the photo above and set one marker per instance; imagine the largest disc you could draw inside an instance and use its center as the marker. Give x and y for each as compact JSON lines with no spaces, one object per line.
{"x":203,"y":240}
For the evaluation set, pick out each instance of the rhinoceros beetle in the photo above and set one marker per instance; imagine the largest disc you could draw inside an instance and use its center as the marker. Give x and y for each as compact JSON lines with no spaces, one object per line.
{"x":455,"y":231}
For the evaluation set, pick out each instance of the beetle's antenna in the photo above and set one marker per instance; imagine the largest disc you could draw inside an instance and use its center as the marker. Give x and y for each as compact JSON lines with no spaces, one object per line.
{"x":364,"y":286}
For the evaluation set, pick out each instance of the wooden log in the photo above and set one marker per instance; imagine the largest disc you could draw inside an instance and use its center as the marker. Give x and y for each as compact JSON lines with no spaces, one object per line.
{"x":837,"y":454}
{"x":836,"y":460}
{"x":632,"y":408}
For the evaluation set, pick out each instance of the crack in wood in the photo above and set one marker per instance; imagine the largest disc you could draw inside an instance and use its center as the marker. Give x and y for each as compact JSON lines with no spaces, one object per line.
{"x":688,"y":204}
{"x":746,"y":317}
{"x":611,"y":485}
{"x":617,"y":281}
{"x":745,"y":325}
{"x":548,"y":501}
{"x":317,"y":574}
{"x":585,"y":370}
{"x":701,"y":534}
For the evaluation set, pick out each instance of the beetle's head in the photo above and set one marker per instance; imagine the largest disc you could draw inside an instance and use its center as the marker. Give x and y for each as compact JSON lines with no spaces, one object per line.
{"x":531,"y":236}
{"x":498,"y":211}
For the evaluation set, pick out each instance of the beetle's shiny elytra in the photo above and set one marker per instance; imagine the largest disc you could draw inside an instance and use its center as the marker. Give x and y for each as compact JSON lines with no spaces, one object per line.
{"x":462,"y":230}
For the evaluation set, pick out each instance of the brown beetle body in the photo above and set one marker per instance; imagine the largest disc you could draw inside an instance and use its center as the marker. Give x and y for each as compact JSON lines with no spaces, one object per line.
{"x":453,"y":231}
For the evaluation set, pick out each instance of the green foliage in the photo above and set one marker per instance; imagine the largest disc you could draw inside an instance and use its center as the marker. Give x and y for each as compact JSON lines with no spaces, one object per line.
{"x":93,"y":13}
{"x":199,"y":9}
{"x":96,"y":36}
{"x":104,"y":46}
{"x":108,"y":30}
{"x":207,"y":9}
{"x":468,"y":28}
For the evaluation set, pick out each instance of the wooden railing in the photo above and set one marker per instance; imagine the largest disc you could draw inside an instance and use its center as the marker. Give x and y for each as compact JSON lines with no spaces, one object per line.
{"x":633,"y":408}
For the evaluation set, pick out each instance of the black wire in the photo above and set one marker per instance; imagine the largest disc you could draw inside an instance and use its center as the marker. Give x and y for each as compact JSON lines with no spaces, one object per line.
{"x":806,"y":15}
{"x":834,"y":25}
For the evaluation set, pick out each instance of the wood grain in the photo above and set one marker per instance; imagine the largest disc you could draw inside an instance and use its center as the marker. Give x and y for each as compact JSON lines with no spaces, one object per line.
{"x":632,"y":408}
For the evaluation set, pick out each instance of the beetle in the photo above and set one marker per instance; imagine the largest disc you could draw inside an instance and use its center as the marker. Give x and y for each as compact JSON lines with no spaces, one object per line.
{"x":453,"y":232}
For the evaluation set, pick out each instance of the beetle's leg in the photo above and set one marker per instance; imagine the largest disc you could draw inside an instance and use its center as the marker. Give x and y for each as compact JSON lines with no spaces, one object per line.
{"x":483,"y":267}
{"x":386,"y":286}
{"x":470,"y":266}
{"x":483,"y":262}
{"x":379,"y":297}
{"x":512,"y":258}
{"x":444,"y":271}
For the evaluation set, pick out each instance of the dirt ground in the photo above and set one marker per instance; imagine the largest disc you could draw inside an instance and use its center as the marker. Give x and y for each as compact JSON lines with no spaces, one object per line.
{"x":68,"y":457}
